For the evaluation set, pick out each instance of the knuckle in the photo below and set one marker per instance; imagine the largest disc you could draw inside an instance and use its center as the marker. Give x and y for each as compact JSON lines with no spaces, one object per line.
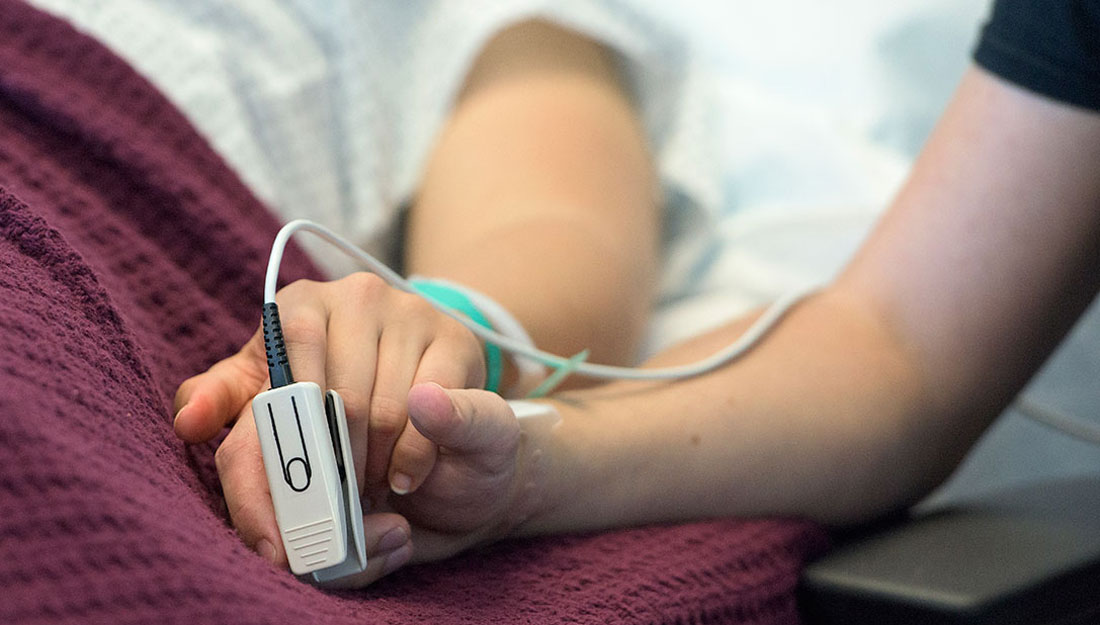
{"x":299,"y":288}
{"x":467,"y":348}
{"x":303,"y":329}
{"x":387,"y":417}
{"x":414,"y":309}
{"x":362,"y":287}
{"x":474,"y":356}
{"x":454,"y":332}
{"x":226,"y":454}
{"x":414,"y":460}
{"x":254,"y":348}
{"x":356,"y":402}
{"x":245,"y":513}
{"x":414,"y":446}
{"x":236,"y":446}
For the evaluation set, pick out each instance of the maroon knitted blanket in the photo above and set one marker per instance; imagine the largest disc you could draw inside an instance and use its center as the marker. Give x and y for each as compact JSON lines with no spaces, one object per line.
{"x":132,"y":257}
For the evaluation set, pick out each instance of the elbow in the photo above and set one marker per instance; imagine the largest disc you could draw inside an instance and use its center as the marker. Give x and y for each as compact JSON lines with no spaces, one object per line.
{"x":894,"y":468}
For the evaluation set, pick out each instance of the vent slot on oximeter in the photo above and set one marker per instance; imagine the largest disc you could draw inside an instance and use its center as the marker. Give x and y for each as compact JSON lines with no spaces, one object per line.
{"x":308,"y":462}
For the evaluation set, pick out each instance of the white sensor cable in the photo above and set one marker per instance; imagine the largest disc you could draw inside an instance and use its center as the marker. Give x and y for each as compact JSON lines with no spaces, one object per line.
{"x":738,"y":348}
{"x":1076,"y":427}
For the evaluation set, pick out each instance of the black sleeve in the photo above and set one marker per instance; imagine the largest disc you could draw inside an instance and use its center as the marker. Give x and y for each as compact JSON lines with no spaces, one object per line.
{"x":1051,"y":47}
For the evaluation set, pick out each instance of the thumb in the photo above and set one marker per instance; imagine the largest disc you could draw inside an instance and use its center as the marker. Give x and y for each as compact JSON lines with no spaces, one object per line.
{"x":208,"y":402}
{"x":466,"y":421}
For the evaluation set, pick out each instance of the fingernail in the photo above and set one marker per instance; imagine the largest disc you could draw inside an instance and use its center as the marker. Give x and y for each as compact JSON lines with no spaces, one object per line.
{"x":397,"y":559}
{"x":400,"y":483}
{"x":179,"y":412}
{"x":267,"y":550}
{"x":393,"y":539}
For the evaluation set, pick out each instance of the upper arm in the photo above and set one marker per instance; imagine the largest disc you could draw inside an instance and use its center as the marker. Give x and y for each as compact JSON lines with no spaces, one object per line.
{"x":992,"y":248}
{"x":542,"y":176}
{"x":542,"y":129}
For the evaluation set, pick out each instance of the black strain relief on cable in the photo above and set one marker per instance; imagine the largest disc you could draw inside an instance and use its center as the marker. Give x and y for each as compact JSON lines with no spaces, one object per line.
{"x":277,"y":363}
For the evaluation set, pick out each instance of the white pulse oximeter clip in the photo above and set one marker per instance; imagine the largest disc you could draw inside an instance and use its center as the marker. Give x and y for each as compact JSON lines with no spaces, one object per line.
{"x":311,"y":473}
{"x":307,"y":457}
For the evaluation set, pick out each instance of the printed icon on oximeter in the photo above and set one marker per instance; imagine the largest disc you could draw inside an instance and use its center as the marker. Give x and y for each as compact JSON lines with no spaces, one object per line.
{"x":306,"y":473}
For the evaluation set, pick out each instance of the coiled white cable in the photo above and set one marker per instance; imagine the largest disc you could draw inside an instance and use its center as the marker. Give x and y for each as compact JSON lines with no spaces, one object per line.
{"x":738,"y":348}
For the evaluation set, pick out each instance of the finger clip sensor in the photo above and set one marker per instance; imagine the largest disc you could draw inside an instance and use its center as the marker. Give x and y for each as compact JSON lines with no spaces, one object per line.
{"x":307,"y":458}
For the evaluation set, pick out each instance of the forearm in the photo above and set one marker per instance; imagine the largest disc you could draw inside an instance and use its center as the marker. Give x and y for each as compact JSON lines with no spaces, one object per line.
{"x":540,"y":194}
{"x":819,"y":421}
{"x":868,"y":395}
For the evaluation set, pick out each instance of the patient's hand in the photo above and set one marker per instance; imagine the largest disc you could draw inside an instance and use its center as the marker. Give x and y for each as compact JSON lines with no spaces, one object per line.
{"x":482,"y":485}
{"x":360,"y":337}
{"x":476,"y":491}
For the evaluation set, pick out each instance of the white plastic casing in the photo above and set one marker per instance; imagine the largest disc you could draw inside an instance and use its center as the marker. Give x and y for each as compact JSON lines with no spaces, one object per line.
{"x":316,"y":503}
{"x":317,"y":511}
{"x":356,"y":560}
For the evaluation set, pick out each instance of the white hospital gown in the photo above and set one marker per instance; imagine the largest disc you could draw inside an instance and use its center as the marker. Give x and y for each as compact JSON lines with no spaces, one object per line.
{"x":328,"y":110}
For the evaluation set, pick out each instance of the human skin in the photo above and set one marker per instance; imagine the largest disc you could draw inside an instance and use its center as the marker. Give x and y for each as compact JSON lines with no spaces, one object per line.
{"x":539,"y":193}
{"x":868,"y":394}
{"x":864,"y":398}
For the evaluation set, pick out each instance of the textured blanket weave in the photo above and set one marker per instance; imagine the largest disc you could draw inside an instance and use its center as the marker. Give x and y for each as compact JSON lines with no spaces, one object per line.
{"x":132,"y":257}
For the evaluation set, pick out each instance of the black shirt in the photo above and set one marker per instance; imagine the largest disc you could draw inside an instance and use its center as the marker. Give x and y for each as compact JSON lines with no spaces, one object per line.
{"x":1051,"y":47}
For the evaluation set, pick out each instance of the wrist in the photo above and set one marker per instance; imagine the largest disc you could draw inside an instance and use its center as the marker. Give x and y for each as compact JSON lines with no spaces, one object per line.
{"x":596,"y":467}
{"x":553,"y":467}
{"x":538,"y":461}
